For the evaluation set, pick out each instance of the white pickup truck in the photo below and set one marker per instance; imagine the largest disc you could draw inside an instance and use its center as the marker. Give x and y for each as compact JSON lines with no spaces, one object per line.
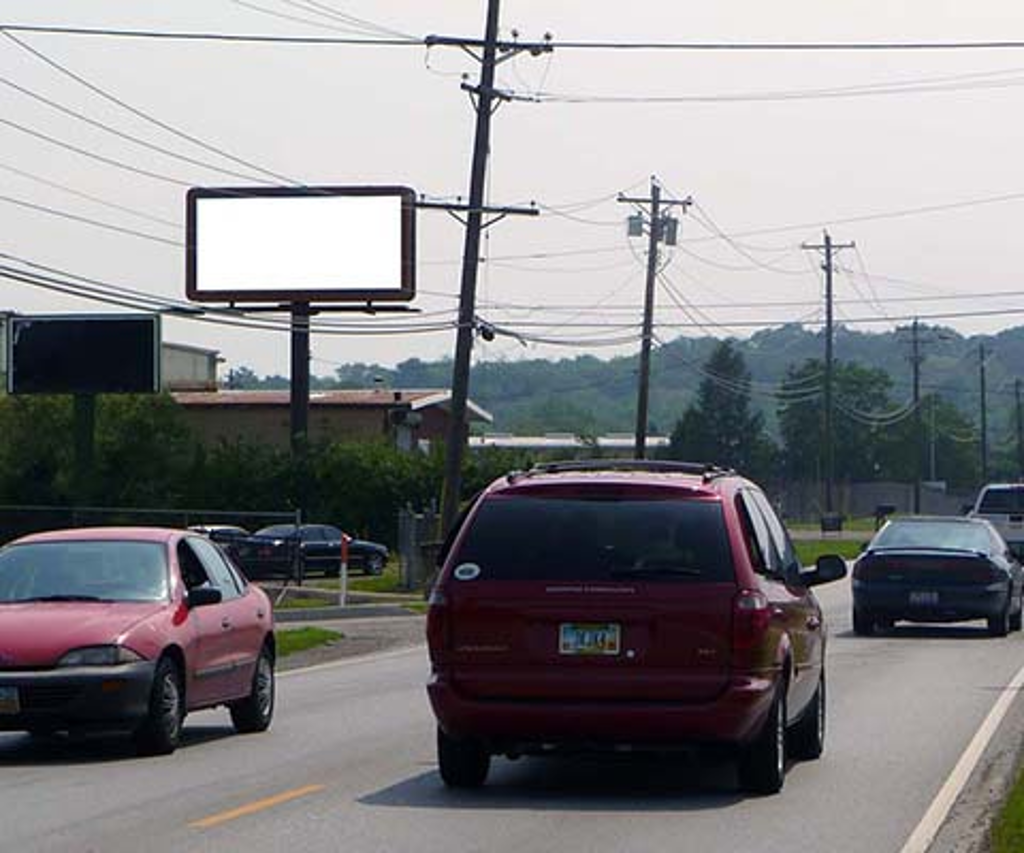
{"x":1003,"y":505}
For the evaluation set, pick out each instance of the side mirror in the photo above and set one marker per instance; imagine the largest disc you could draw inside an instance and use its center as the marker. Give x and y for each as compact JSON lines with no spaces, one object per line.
{"x":202,"y":596}
{"x":827,"y":568}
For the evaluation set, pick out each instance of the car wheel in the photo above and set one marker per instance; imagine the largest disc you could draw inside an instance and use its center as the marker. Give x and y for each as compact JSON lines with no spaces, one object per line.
{"x":1017,"y":618}
{"x":863,"y":622}
{"x":762,"y":766}
{"x":254,"y":712}
{"x":462,"y":763}
{"x":807,"y":737}
{"x":160,"y":732}
{"x":374,"y":564}
{"x":999,"y":626}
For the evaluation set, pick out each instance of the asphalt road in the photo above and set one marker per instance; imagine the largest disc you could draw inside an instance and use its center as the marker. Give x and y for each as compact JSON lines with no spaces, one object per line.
{"x":349,"y":765}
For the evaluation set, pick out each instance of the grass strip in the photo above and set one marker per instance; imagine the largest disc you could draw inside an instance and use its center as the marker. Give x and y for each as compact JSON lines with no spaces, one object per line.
{"x":1008,"y":831}
{"x":808,"y":550}
{"x":292,"y":640}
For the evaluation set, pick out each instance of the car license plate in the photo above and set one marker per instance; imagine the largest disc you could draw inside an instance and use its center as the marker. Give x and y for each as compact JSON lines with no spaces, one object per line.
{"x":9,"y":702}
{"x":588,"y":638}
{"x":924,"y":598}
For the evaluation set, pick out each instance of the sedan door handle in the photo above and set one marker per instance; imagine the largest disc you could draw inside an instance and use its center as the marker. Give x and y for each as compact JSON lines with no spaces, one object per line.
{"x":225,"y":622}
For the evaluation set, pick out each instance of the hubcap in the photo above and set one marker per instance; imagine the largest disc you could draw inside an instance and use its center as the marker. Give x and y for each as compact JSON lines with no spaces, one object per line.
{"x":265,"y":686}
{"x":780,"y":740}
{"x":170,"y":705}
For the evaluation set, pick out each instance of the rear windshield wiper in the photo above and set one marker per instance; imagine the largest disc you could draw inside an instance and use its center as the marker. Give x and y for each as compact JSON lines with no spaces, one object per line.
{"x":65,"y":598}
{"x":656,"y":570}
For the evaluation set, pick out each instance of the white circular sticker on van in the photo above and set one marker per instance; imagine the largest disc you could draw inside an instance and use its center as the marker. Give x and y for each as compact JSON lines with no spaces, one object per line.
{"x":467,"y":571}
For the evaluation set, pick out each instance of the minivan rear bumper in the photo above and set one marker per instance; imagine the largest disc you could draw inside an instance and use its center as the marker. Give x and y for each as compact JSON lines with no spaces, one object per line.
{"x":735,"y":716}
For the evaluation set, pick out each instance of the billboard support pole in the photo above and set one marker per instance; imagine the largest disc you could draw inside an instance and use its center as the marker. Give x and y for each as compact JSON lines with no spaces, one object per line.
{"x":85,"y":432}
{"x":299,"y":419}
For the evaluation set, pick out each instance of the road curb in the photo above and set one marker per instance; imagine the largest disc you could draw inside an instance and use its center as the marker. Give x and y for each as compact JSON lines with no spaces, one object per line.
{"x":324,"y":614}
{"x":968,"y":827}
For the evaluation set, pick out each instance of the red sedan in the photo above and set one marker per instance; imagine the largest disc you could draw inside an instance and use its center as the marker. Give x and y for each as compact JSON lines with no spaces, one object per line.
{"x":129,"y":629}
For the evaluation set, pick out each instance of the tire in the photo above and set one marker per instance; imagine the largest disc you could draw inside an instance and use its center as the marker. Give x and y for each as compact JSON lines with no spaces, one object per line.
{"x":462,"y":763}
{"x":374,"y":564}
{"x":999,"y":626}
{"x":807,"y":737}
{"x":160,"y":732}
{"x":863,"y":622}
{"x":255,"y":712}
{"x":762,"y":766}
{"x":1017,"y":619}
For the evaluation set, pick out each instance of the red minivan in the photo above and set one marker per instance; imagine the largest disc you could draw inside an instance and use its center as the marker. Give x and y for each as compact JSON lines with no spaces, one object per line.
{"x":626,"y":605}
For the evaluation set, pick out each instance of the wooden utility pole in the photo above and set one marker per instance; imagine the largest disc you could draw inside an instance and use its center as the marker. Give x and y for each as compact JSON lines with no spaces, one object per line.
{"x":915,"y":361}
{"x":828,"y":247}
{"x":984,"y":413}
{"x":656,"y":232}
{"x":1020,"y":431}
{"x":485,"y":97}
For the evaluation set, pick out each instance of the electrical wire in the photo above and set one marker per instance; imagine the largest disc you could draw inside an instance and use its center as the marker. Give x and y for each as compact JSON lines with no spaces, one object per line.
{"x":140,"y":114}
{"x":166,"y":35}
{"x":122,"y":134}
{"x":141,"y":214}
{"x":96,"y":223}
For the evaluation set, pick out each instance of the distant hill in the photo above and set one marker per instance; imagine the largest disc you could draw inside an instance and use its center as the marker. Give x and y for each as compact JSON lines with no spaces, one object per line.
{"x":587,"y":395}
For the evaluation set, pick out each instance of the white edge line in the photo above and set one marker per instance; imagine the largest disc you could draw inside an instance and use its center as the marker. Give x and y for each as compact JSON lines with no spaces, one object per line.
{"x":925,"y":832}
{"x":352,"y":661}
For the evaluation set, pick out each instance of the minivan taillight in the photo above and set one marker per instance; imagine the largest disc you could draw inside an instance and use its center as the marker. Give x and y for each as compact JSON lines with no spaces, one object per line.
{"x":750,"y":619}
{"x":437,"y":625}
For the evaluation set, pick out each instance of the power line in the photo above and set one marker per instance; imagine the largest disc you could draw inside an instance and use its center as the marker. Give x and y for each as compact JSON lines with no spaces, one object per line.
{"x":110,"y":161}
{"x":138,"y":113}
{"x":120,"y":133}
{"x":90,"y":197}
{"x":107,"y":32}
{"x":96,"y":223}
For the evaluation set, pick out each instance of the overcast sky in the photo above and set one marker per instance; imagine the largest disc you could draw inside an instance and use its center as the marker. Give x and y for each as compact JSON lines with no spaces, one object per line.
{"x":914,"y":155}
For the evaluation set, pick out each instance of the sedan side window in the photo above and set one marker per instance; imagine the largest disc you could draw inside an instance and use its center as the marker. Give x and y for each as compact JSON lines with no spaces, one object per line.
{"x":193,"y":573}
{"x":217,"y":569}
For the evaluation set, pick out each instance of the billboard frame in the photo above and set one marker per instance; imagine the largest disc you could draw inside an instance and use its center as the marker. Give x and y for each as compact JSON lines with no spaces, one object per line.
{"x":153,"y":320}
{"x":405,"y":293}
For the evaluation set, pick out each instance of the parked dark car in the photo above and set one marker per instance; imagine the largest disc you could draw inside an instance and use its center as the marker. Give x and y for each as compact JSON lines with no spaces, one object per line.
{"x":281,"y":550}
{"x":937,"y":569}
{"x":626,"y":605}
{"x":129,"y":629}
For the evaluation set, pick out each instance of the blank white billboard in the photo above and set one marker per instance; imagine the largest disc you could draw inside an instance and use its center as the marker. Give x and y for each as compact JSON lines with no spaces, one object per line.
{"x":308,"y":244}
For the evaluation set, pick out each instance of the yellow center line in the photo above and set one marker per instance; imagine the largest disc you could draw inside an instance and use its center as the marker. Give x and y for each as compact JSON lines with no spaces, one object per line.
{"x":255,"y":806}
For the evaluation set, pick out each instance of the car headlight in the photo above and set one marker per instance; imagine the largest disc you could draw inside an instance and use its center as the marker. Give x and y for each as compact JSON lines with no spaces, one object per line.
{"x":100,"y":656}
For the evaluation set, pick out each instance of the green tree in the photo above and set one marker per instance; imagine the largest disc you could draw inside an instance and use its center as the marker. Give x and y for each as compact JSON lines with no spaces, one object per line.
{"x":720,"y":426}
{"x":860,"y":395}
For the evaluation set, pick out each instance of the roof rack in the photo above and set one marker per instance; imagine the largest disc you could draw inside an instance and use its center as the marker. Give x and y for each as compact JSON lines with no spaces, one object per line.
{"x":706,"y":470}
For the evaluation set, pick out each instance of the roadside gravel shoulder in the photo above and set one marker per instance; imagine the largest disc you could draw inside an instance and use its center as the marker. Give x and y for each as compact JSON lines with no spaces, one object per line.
{"x":360,"y":637}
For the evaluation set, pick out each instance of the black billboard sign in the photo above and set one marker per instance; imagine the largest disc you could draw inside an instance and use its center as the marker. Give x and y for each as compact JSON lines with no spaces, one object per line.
{"x":84,"y":354}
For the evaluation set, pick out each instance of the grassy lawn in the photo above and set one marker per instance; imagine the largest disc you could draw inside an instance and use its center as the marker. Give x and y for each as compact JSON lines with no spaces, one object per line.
{"x":864,"y":525}
{"x":810,"y":549}
{"x":1008,"y":832}
{"x":292,"y":640}
{"x":388,"y":581}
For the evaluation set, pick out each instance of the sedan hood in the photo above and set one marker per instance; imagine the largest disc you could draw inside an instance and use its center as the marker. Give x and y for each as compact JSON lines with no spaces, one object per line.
{"x":40,"y":633}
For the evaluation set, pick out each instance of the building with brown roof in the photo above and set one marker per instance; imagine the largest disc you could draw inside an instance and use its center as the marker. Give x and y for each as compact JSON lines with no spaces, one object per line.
{"x":408,"y":418}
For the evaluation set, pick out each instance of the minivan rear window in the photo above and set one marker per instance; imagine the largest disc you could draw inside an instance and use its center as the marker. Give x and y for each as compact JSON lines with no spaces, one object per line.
{"x":535,"y":537}
{"x":1003,"y":500}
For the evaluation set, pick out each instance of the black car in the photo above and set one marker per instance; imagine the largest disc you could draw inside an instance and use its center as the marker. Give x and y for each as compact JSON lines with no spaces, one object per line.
{"x":937,"y":569}
{"x":280,"y":550}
